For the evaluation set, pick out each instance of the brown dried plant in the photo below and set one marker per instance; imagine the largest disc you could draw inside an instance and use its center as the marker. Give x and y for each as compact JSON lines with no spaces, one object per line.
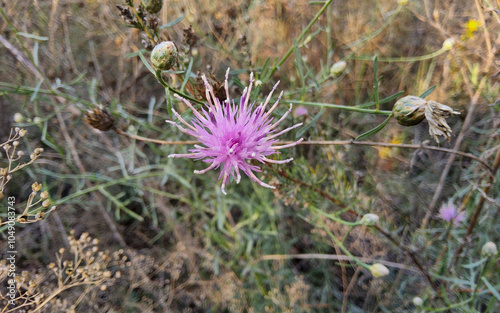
{"x":84,"y":265}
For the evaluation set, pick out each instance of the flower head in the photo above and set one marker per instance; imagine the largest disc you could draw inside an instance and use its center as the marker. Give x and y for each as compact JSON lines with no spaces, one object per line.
{"x":233,"y":134}
{"x":449,"y":213}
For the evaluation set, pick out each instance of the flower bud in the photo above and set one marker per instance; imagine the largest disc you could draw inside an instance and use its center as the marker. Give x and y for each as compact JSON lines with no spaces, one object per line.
{"x":18,"y":118}
{"x":370,"y":219}
{"x":448,"y":44}
{"x":489,"y":249}
{"x":418,"y":301}
{"x":164,"y":55}
{"x":152,"y":6}
{"x":338,"y":68}
{"x":402,"y":2}
{"x":379,"y":270}
{"x":409,"y":110}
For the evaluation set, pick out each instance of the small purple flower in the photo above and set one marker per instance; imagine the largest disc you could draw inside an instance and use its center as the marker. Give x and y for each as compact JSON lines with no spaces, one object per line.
{"x":232,"y":134}
{"x":448,"y":213}
{"x":300,"y":111}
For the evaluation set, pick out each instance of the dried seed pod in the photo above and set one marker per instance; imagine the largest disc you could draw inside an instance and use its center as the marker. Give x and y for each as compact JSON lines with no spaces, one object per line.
{"x":152,"y":6}
{"x":164,"y":55}
{"x":100,"y":118}
{"x":409,"y":110}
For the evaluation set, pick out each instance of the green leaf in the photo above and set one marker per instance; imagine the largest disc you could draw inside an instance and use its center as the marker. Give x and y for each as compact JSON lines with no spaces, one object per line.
{"x":35,"y":92}
{"x":26,"y":35}
{"x":375,"y":130}
{"x":168,"y":99}
{"x":309,"y":125}
{"x":173,"y":22}
{"x":493,"y":290}
{"x":136,"y":53}
{"x":385,"y":100}
{"x":427,"y":92}
{"x":143,"y":59}
{"x":187,"y":74}
{"x":35,"y":53}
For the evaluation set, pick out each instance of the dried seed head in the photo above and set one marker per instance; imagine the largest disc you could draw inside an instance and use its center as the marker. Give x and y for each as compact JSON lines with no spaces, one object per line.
{"x":164,"y":55}
{"x":489,"y":249}
{"x":153,"y":6}
{"x":436,"y":113}
{"x":126,"y":14}
{"x":409,"y":110}
{"x":36,"y":187}
{"x":100,"y":119}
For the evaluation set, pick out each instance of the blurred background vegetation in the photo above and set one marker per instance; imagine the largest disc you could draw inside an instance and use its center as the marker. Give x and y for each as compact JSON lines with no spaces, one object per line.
{"x":135,"y":231}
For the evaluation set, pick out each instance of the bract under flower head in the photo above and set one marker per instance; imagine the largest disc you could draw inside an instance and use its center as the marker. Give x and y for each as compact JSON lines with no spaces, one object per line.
{"x":232,"y":134}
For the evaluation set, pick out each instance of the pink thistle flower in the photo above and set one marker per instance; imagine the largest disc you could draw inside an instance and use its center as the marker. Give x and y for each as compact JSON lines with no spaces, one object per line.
{"x":449,"y":213}
{"x":232,"y":134}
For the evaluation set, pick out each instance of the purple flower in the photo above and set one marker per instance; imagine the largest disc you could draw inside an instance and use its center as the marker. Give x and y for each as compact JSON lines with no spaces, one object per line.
{"x":449,"y":213}
{"x":232,"y":134}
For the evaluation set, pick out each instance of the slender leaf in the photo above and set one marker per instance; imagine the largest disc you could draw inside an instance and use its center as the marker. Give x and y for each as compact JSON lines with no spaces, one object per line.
{"x":309,"y":125}
{"x":173,"y":22}
{"x":143,"y":59}
{"x":427,"y":92}
{"x":31,"y":36}
{"x":493,"y":290}
{"x":375,"y":130}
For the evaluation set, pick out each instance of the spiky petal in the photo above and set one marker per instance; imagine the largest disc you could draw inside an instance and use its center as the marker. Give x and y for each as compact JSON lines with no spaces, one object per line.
{"x":233,"y":134}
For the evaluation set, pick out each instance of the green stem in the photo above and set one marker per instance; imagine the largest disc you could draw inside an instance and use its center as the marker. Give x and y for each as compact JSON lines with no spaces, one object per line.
{"x":301,"y":36}
{"x":164,"y":84}
{"x":106,"y":185}
{"x":405,"y":59}
{"x":341,"y":107}
{"x":341,"y":246}
{"x":336,"y":219}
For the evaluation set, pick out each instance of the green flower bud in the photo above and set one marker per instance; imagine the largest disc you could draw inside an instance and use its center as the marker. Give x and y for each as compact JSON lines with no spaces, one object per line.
{"x":18,"y":118}
{"x":448,"y":44}
{"x":370,"y":219}
{"x":379,"y":270}
{"x":152,"y":6}
{"x":164,"y":55}
{"x":409,"y":110}
{"x":489,"y":249}
{"x":338,"y":68}
{"x":418,"y":301}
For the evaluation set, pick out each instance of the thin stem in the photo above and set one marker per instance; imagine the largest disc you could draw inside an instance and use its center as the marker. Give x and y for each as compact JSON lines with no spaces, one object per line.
{"x":404,"y":59}
{"x":478,"y":209}
{"x":341,"y":107}
{"x":164,"y":84}
{"x":301,"y":36}
{"x":308,"y":256}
